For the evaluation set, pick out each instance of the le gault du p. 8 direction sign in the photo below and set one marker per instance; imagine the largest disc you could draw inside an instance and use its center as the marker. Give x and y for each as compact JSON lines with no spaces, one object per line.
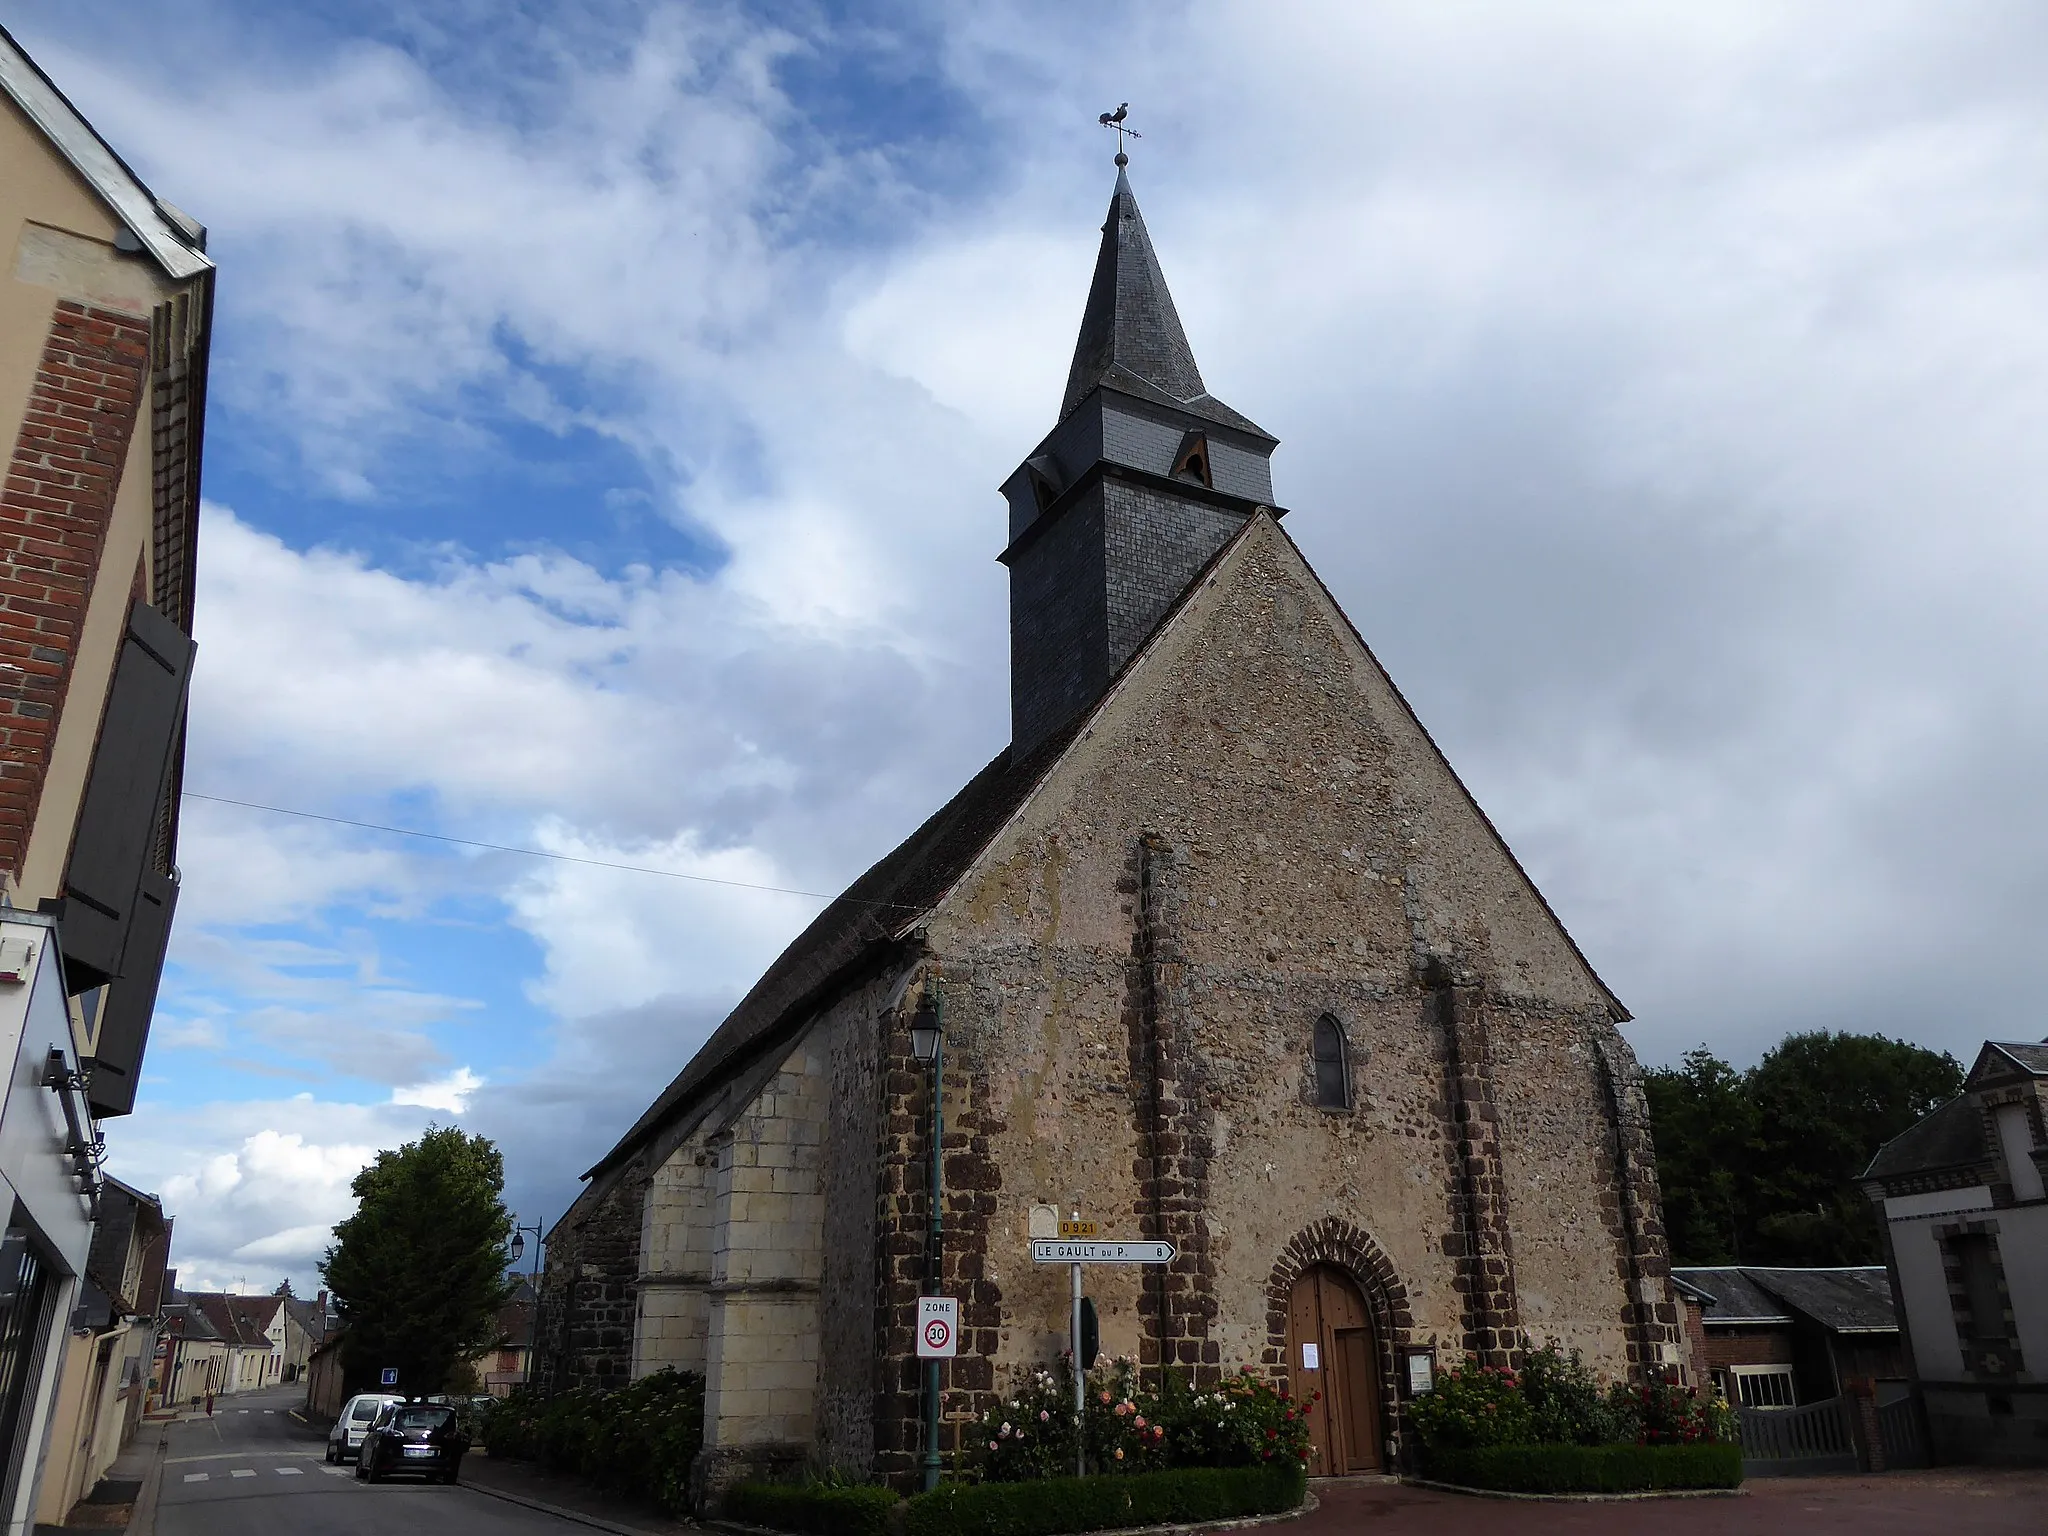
{"x":1046,"y":1250}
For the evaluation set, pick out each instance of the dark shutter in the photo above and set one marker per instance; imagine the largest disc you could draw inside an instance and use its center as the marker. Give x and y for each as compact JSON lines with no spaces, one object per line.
{"x":130,"y":1002}
{"x":123,"y":793}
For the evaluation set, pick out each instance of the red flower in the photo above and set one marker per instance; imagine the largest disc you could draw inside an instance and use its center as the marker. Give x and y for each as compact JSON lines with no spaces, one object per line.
{"x":1272,"y":1434}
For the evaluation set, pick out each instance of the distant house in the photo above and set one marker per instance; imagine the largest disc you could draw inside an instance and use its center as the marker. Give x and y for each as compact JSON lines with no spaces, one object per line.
{"x":253,"y":1330}
{"x":505,"y":1366}
{"x":1779,"y":1338}
{"x":1965,"y":1206}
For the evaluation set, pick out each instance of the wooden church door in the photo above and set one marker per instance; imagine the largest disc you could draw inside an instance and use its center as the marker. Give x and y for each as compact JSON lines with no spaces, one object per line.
{"x":1331,"y":1350}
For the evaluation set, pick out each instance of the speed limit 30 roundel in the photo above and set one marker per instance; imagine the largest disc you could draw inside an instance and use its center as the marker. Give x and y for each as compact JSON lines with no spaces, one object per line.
{"x":938,"y":1327}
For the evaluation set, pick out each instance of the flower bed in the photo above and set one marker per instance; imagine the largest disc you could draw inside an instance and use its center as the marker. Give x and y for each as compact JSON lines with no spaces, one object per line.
{"x":1589,"y":1468}
{"x":1552,"y":1428}
{"x":1052,"y":1505}
{"x":638,"y":1441}
{"x":1245,"y":1421}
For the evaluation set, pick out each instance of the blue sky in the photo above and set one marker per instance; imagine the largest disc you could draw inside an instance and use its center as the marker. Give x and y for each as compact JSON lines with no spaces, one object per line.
{"x":608,"y":403}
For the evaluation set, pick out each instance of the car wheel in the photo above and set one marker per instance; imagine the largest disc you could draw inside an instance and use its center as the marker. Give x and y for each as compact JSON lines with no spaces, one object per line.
{"x":374,"y":1474}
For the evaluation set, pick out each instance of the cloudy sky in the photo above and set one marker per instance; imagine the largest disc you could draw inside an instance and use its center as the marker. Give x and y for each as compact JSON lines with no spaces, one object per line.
{"x":609,"y":400}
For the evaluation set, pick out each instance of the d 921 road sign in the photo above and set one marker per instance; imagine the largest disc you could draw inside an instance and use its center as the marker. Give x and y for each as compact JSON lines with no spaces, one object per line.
{"x":938,"y":1327}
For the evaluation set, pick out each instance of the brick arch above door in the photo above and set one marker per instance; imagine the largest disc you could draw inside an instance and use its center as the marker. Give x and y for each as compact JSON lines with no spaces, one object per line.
{"x":1348,"y":1246}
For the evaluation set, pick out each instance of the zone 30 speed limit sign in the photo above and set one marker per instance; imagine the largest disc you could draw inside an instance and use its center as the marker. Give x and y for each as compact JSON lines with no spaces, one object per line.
{"x":938,"y":1327}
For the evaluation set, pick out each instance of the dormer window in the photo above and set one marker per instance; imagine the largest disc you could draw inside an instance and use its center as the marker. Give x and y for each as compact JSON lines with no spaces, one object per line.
{"x":1192,"y":462}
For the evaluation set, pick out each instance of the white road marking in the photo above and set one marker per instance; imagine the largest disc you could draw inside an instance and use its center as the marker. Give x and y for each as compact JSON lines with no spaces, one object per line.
{"x":241,"y":1472}
{"x":195,"y":1477}
{"x":335,"y":1471}
{"x":241,"y":1410}
{"x":269,"y":1410}
{"x":289,"y":1471}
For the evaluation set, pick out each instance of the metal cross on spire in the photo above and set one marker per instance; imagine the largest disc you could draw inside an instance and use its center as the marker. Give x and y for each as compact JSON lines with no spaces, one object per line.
{"x":1116,"y":120}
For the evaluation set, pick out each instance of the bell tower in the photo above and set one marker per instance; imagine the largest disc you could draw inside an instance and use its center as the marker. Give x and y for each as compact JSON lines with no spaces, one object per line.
{"x":1146,"y":476}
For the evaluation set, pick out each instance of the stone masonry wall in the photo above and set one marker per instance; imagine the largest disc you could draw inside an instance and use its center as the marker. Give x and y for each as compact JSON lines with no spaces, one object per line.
{"x":1320,"y":858}
{"x":589,"y":1288}
{"x":674,"y":1283}
{"x":767,"y":1261}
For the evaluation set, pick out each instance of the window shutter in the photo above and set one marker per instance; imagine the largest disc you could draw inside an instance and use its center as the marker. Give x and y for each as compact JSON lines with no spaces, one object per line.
{"x":123,"y":793}
{"x":130,"y":1002}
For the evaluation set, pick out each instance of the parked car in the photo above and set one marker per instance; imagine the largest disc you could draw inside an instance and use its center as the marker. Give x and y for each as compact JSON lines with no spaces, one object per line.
{"x":413,"y":1437}
{"x":345,"y":1440}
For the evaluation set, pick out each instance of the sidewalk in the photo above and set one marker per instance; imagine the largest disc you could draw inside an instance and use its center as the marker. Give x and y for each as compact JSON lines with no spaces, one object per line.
{"x":531,"y":1484}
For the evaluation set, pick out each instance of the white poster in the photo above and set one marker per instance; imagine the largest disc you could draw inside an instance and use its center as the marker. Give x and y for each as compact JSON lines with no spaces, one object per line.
{"x":938,"y":1327}
{"x":1311,"y":1357}
{"x":1421,"y":1375}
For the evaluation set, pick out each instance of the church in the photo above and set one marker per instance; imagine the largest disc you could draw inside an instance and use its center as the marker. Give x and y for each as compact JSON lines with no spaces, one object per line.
{"x":1223,"y":953}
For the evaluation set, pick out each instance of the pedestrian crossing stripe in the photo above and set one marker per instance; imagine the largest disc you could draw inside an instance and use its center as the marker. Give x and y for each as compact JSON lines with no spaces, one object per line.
{"x":289,"y":1471}
{"x":241,"y":1472}
{"x":195,"y":1477}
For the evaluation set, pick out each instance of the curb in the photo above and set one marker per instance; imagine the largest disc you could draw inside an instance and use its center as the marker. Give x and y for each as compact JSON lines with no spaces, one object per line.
{"x":596,"y":1522}
{"x":1308,"y":1506}
{"x":142,"y":1518}
{"x":1575,"y":1498}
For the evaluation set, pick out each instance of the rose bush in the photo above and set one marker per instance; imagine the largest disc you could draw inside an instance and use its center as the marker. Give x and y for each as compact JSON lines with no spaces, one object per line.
{"x":1246,"y":1420}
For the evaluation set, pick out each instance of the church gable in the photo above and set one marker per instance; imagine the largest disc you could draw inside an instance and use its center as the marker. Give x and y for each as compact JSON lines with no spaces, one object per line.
{"x":1258,"y":726}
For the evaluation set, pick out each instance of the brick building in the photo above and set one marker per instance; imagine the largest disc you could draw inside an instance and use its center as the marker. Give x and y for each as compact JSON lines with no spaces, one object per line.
{"x":1778,"y":1338}
{"x":1224,"y":954}
{"x":105,"y":298}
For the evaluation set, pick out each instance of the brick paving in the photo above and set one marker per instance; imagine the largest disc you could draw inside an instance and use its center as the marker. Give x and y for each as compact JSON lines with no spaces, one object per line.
{"x":1975,"y":1501}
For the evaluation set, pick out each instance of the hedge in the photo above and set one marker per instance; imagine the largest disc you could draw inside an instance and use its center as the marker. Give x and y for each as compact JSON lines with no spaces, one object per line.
{"x":817,"y":1508}
{"x":1051,"y":1505}
{"x":1588,"y":1468}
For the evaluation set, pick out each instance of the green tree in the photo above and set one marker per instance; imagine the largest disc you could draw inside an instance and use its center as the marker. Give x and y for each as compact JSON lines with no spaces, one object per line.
{"x":1825,"y":1102}
{"x":1704,"y":1122}
{"x":1760,"y":1167}
{"x":418,"y":1270}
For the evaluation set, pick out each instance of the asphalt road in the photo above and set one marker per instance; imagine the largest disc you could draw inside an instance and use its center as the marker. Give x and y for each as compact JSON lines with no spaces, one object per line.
{"x":253,"y":1470}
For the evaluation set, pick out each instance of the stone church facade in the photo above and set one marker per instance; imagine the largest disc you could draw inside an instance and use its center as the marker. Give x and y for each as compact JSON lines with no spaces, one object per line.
{"x":1225,"y":953}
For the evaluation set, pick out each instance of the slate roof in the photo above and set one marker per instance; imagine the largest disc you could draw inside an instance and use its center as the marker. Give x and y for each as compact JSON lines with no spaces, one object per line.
{"x":1849,"y":1300}
{"x":1736,"y":1297}
{"x":2030,"y":1058}
{"x":1131,"y":337}
{"x":1949,"y":1137}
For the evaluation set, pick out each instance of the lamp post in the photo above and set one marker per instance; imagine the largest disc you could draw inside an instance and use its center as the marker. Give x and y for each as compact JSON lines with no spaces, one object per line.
{"x":928,"y":1044}
{"x":533,"y":1330}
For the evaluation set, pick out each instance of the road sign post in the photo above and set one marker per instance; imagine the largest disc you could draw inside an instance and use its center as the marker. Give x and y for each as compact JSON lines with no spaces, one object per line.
{"x":1076,"y":1245}
{"x":388,"y":1376}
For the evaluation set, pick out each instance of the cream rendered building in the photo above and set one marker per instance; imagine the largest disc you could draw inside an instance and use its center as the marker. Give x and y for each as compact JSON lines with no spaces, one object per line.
{"x":105,"y":299}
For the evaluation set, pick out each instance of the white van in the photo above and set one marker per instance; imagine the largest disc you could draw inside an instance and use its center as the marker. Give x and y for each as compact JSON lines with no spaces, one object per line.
{"x":345,"y":1440}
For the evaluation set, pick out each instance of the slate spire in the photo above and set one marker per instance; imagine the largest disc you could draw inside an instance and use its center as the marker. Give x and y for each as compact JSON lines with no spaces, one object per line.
{"x":1130,"y":324}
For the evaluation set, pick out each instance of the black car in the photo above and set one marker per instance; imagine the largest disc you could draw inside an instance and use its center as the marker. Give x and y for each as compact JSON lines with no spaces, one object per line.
{"x":413,"y":1437}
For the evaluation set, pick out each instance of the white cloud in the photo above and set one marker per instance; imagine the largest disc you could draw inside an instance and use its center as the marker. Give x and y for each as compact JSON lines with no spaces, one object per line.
{"x":254,"y":1201}
{"x":450,"y":1094}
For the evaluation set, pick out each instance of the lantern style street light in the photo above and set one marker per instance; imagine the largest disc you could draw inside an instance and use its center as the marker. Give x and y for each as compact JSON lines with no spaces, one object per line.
{"x":518,"y":1251}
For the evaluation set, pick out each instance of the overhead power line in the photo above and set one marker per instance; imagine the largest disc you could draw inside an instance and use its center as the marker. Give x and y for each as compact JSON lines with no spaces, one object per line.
{"x":531,"y":853}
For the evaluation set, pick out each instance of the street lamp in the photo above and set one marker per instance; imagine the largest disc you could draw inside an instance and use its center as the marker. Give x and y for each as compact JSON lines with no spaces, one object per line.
{"x":928,"y":1044}
{"x":533,"y":1332}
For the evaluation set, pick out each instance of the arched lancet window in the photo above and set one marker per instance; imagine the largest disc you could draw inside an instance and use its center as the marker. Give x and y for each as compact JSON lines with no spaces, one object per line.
{"x":1333,"y":1065}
